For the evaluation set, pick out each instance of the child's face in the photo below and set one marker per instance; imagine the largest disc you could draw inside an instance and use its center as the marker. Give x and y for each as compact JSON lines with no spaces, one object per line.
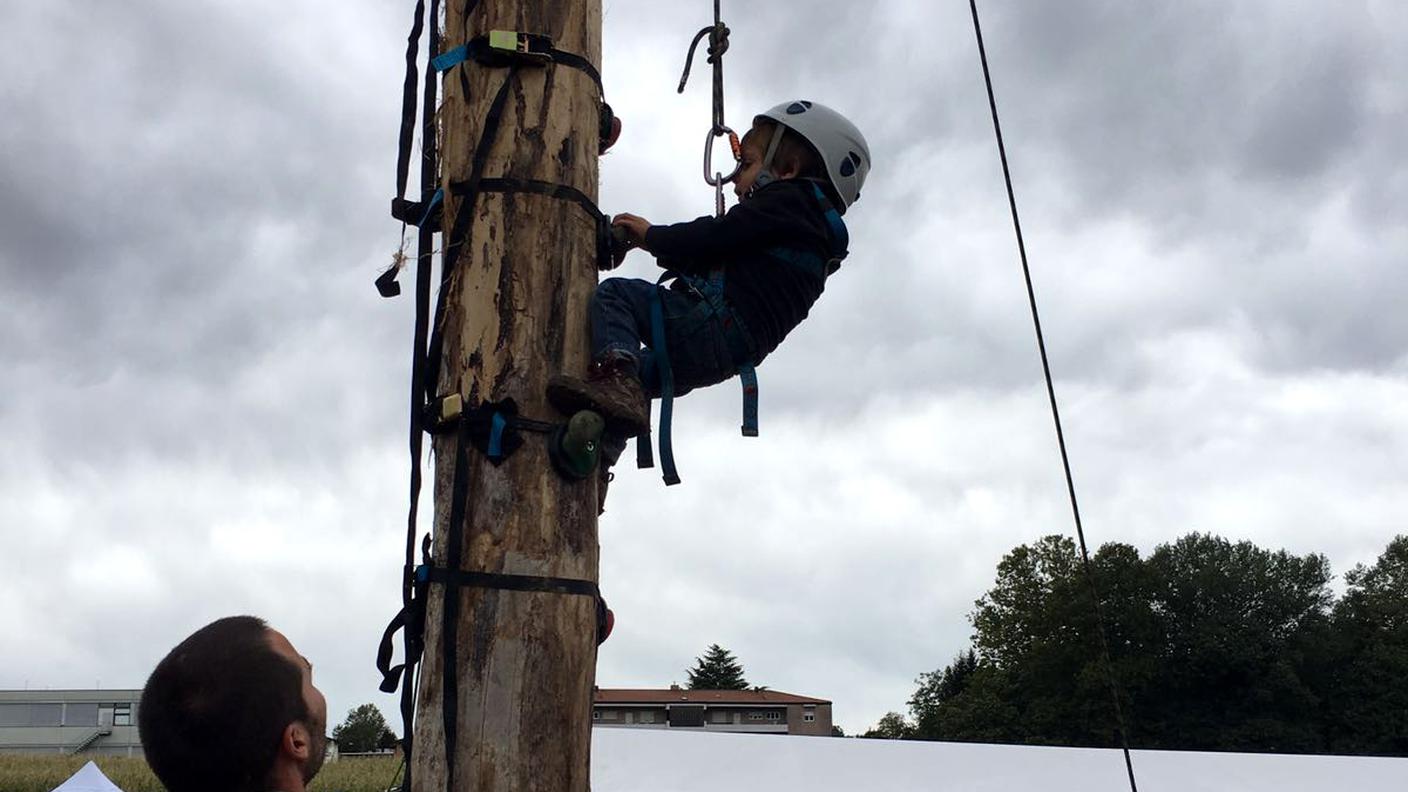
{"x":749,"y":166}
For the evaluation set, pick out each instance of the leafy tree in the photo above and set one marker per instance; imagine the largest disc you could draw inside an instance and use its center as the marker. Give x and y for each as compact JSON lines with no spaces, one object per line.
{"x":1367,"y":698}
{"x":892,"y":726}
{"x":937,"y":688}
{"x":1038,"y":678}
{"x":1215,"y":645}
{"x":717,"y":670}
{"x":363,"y":731}
{"x":1238,"y":623}
{"x":837,"y":731}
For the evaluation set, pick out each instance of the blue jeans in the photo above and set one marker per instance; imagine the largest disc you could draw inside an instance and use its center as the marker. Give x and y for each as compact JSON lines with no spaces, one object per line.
{"x":694,"y":339}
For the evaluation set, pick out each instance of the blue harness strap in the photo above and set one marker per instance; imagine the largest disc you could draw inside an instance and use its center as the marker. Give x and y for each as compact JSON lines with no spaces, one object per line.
{"x":496,"y":437}
{"x":836,"y":232}
{"x":749,"y":376}
{"x":739,"y":345}
{"x":660,"y":359}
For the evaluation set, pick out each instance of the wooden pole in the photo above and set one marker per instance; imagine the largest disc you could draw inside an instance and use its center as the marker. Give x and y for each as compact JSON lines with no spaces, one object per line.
{"x":516,"y":314}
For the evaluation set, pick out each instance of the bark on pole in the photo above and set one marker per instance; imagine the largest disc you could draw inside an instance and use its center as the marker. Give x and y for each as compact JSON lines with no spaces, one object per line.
{"x":516,"y":314}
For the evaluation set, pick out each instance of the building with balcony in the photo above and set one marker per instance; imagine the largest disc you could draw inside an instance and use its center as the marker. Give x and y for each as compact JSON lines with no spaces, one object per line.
{"x":70,"y":722}
{"x":761,"y":711}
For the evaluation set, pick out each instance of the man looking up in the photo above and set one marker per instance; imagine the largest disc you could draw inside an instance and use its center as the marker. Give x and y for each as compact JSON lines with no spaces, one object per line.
{"x":233,"y":709}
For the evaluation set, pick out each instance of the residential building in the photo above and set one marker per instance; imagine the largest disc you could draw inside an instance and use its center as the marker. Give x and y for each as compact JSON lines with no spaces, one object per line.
{"x":762,"y":711}
{"x":70,"y":721}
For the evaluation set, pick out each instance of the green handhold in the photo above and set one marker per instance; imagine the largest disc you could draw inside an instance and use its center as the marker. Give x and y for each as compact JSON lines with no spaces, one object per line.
{"x":581,"y":443}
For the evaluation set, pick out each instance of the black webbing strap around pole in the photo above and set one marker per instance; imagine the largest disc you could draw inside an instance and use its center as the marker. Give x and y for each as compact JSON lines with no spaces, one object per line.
{"x":1055,"y":412}
{"x":562,"y":192}
{"x":460,"y":578}
{"x":528,"y":48}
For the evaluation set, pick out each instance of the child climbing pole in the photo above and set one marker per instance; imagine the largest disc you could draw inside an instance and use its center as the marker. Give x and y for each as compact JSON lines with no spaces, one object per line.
{"x":738,"y":283}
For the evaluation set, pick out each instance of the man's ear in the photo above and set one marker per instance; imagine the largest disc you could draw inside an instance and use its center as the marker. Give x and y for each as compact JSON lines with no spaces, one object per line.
{"x":296,"y":741}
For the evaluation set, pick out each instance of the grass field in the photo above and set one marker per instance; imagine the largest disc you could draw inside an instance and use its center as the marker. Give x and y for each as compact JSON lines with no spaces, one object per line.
{"x":41,"y":773}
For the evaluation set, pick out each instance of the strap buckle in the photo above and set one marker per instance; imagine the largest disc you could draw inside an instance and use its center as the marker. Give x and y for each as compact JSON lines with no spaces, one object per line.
{"x":530,"y":47}
{"x":443,"y":413}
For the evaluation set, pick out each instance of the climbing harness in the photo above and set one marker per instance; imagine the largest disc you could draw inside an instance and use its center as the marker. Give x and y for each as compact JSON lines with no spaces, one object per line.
{"x":1055,"y":411}
{"x":494,"y":429}
{"x":655,"y":366}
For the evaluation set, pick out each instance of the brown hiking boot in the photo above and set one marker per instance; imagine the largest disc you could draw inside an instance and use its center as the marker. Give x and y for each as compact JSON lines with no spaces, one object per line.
{"x":612,"y":389}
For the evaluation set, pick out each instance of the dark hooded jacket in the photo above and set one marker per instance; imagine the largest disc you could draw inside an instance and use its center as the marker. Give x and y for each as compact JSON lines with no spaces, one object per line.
{"x":771,"y":295}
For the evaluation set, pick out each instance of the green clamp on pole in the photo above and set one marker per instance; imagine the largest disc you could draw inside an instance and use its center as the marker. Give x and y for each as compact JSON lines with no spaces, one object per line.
{"x":575,"y":448}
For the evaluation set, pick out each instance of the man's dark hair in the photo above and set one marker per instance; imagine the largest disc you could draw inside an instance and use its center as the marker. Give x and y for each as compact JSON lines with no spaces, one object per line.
{"x":214,"y":710}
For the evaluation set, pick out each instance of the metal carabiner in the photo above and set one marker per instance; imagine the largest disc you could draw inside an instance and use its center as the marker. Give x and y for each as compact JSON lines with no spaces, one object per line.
{"x":712,"y":177}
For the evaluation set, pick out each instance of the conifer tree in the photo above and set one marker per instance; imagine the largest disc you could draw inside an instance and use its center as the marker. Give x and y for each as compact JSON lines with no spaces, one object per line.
{"x":718,"y":669}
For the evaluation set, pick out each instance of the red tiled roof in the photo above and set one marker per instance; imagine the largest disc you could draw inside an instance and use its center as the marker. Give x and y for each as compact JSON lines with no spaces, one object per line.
{"x":669,"y":696}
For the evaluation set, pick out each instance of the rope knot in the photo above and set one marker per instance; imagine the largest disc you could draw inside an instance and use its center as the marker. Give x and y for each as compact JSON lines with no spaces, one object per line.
{"x":718,"y":42}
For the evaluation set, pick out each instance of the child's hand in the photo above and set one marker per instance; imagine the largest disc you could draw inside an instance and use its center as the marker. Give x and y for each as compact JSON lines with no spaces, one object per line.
{"x":634,"y":226}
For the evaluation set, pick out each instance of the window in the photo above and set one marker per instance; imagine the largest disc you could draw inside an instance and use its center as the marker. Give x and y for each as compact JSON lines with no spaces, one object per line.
{"x":122,"y":714}
{"x":596,"y":715}
{"x":26,"y":715}
{"x":83,"y":714}
{"x":774,"y":715}
{"x":45,"y":714}
{"x":14,"y":715}
{"x":719,"y":716}
{"x":647,"y":717}
{"x":809,"y":716}
{"x":755,"y":716}
{"x":686,"y":716}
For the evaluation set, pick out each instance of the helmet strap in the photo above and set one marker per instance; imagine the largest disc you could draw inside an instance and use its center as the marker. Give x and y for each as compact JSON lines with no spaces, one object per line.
{"x":765,"y":174}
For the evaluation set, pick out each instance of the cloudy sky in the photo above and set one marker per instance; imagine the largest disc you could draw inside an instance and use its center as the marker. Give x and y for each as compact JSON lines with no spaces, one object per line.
{"x":203,"y":397}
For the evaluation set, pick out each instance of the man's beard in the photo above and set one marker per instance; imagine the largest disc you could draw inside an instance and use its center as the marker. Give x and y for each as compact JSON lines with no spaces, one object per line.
{"x":318,"y":751}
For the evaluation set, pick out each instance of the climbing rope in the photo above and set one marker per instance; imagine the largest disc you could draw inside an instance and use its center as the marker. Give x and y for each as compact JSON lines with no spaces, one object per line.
{"x":718,"y":45}
{"x":1055,"y":411}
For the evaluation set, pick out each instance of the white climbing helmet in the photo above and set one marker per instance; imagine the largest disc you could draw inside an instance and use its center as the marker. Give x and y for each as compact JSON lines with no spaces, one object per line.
{"x":841,"y":145}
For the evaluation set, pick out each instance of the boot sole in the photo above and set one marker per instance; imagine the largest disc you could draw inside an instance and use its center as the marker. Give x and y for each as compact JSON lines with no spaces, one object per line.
{"x":569,"y":400}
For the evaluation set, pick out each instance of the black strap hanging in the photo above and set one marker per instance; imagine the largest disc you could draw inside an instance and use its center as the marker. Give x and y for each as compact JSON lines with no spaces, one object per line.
{"x":410,"y":619}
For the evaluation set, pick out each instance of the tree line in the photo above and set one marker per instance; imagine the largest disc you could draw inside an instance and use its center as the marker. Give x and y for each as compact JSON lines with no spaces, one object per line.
{"x":1215,"y":646}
